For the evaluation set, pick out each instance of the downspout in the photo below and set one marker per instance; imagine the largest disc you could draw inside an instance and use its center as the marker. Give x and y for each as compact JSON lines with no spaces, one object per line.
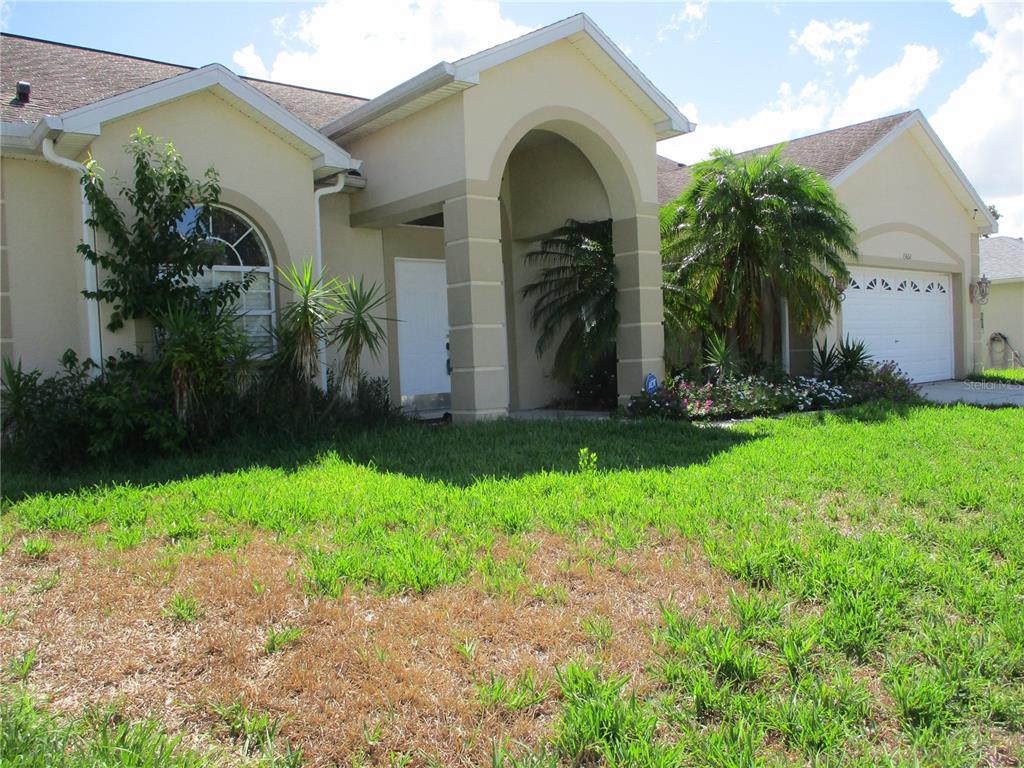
{"x":318,"y":258}
{"x":92,"y":306}
{"x":786,"y":362}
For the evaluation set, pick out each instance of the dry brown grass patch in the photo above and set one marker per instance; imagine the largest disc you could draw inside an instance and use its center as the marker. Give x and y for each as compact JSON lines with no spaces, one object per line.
{"x":371,"y":673}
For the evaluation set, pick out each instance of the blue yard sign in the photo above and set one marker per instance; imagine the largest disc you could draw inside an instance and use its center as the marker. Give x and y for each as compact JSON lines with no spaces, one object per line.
{"x":651,"y":384}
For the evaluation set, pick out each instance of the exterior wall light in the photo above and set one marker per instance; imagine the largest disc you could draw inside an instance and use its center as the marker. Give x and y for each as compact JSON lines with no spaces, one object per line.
{"x":979,"y":290}
{"x":840,"y":285}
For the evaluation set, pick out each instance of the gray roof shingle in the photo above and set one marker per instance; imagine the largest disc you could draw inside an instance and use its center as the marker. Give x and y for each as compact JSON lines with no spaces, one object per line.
{"x":1002,"y":258}
{"x":65,"y":77}
{"x":829,"y":153}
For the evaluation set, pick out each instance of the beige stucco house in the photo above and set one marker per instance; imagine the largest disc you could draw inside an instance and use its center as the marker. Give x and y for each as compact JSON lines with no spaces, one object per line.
{"x":433,"y":189}
{"x":1002,"y":314}
{"x":911,"y":298}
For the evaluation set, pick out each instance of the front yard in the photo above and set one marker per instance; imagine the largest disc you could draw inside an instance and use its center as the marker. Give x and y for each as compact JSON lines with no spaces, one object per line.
{"x":844,"y":588}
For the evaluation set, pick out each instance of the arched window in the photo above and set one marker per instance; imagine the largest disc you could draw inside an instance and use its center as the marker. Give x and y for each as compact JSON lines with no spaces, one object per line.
{"x":244,"y":251}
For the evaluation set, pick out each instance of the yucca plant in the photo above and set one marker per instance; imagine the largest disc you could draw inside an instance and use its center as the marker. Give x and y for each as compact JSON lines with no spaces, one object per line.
{"x":720,"y":357}
{"x":305,"y":321}
{"x":360,"y":327}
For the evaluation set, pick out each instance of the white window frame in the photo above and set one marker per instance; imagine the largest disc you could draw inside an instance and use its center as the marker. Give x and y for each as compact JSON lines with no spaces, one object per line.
{"x":242,"y":269}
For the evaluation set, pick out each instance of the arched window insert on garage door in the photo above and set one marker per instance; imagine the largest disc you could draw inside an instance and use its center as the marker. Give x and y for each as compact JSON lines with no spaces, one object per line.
{"x":244,"y":251}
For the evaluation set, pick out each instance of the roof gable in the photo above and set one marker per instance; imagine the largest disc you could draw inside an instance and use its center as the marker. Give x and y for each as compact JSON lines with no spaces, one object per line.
{"x":445,"y":79}
{"x":839,"y":153}
{"x":829,"y":152}
{"x":78,"y":126}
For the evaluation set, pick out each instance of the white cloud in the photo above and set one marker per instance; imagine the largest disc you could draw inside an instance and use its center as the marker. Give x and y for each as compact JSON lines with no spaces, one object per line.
{"x":250,"y":63}
{"x":365,"y":48}
{"x":966,"y":8}
{"x":824,"y":40}
{"x":982,"y":121}
{"x":812,"y":108}
{"x":691,"y":17}
{"x":895,"y":87}
{"x":791,"y":114}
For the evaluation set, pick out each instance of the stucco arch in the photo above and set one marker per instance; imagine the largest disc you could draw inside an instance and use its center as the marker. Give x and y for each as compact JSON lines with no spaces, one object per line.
{"x":907,"y":228}
{"x":608,"y":157}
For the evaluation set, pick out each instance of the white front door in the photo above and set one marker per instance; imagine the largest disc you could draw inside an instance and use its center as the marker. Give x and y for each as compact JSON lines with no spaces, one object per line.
{"x":902,"y":316}
{"x":421,"y":294}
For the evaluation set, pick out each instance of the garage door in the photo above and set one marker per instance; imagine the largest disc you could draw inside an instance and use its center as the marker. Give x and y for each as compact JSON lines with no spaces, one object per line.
{"x":903,"y":316}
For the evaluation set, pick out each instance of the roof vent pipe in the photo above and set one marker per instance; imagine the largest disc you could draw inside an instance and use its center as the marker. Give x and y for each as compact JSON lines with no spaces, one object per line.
{"x":24,"y":91}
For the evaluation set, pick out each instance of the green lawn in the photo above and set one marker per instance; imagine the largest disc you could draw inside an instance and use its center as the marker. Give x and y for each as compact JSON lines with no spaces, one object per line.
{"x":1005,"y":375}
{"x":876,"y":560}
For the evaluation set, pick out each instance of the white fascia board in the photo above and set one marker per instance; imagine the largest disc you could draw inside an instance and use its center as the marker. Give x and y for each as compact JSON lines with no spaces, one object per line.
{"x":467,"y":72}
{"x":917,"y":118}
{"x":878,"y":146}
{"x":979,"y":204}
{"x":89,"y":118}
{"x":16,"y":138}
{"x":425,"y":82}
{"x":471,"y":66}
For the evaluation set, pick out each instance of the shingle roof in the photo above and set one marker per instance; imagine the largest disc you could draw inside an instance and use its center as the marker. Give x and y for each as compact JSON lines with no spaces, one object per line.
{"x":65,"y":77}
{"x":829,"y":153}
{"x":1002,"y":258}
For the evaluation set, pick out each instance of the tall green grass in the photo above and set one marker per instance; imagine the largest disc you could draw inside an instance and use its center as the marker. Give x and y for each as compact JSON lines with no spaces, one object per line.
{"x":876,"y":541}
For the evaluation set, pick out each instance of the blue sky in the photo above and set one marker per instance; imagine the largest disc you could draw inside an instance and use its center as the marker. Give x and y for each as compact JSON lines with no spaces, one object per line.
{"x":748,"y":73}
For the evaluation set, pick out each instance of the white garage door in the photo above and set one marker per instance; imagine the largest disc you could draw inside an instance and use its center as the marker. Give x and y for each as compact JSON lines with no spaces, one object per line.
{"x":903,"y":316}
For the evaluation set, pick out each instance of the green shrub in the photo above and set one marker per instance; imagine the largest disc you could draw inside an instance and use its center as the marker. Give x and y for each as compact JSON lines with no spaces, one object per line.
{"x":882,"y":381}
{"x":70,"y":417}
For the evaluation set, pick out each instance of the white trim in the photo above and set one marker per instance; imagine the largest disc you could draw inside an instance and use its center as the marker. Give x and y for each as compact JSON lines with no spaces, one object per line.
{"x":917,"y":118}
{"x":16,"y":138}
{"x":425,"y":82}
{"x":324,"y":154}
{"x":466,"y":72}
{"x":318,"y":263}
{"x":473,"y":65}
{"x":787,"y":364}
{"x":92,"y":305}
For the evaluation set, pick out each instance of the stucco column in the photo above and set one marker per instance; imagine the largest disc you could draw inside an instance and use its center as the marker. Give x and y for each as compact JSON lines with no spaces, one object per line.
{"x":476,"y":308}
{"x":641,"y":338}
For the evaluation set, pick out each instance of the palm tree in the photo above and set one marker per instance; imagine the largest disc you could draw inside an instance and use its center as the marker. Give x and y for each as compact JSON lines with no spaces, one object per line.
{"x":574,"y":298}
{"x":747,"y":233}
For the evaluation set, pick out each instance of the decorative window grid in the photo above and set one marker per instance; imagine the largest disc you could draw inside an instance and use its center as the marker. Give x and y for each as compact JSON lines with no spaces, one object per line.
{"x":244,"y":252}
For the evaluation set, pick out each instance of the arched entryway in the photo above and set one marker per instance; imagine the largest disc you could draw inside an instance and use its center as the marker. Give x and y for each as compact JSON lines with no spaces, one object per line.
{"x":552,"y":166}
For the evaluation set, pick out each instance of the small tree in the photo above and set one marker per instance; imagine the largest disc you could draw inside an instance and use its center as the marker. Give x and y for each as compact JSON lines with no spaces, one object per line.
{"x":155,"y":251}
{"x":156,"y":248}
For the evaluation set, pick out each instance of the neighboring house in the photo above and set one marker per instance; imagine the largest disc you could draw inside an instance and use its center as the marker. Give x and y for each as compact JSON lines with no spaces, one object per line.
{"x":434,"y":189}
{"x":1002,"y":316}
{"x":918,"y":223}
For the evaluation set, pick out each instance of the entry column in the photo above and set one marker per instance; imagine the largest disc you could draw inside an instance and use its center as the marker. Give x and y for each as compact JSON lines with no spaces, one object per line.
{"x":476,"y":308}
{"x":641,"y":338}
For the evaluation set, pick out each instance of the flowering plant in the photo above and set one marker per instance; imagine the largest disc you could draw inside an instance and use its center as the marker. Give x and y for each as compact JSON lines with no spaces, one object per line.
{"x":732,"y":397}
